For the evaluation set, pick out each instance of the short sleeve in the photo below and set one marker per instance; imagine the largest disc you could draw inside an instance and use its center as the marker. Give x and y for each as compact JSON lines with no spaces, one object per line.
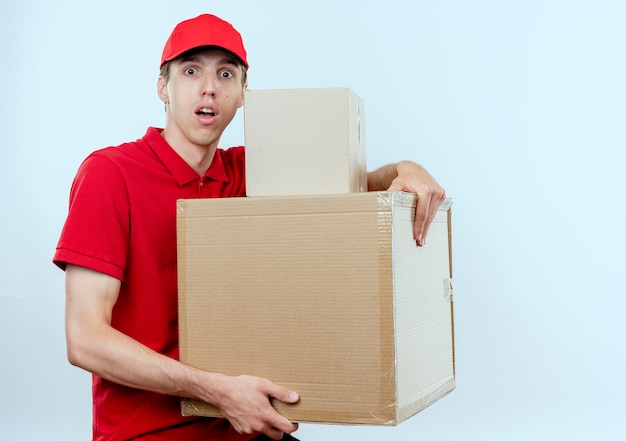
{"x":97,"y":228}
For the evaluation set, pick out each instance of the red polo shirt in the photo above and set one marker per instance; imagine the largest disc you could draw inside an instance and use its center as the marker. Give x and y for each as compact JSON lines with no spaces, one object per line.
{"x":122,"y":222}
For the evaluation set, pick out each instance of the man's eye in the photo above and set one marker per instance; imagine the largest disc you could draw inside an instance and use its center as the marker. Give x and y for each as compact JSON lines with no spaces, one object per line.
{"x":226,"y":74}
{"x":190,"y":70}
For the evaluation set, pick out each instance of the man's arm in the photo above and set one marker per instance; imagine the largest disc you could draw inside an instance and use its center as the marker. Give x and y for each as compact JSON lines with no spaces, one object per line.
{"x":413,"y":178}
{"x":94,"y":345}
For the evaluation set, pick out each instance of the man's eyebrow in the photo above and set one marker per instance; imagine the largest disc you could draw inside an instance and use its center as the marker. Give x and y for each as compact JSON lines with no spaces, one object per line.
{"x":228,"y":60}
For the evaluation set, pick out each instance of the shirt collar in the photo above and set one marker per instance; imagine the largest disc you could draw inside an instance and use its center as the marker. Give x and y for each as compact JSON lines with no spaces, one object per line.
{"x":182,"y":172}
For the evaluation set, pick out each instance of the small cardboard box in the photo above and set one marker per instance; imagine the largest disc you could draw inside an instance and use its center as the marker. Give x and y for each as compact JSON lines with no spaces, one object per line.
{"x":320,"y":133}
{"x":326,"y":295}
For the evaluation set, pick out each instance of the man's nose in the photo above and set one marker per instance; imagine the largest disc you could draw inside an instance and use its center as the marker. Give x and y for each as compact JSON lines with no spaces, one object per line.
{"x":209,"y":87}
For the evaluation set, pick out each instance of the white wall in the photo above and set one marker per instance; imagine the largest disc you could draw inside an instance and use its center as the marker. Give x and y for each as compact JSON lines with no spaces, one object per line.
{"x":517,"y":107}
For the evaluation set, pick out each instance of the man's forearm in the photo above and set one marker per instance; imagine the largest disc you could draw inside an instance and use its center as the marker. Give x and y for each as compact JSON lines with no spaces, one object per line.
{"x":381,"y":178}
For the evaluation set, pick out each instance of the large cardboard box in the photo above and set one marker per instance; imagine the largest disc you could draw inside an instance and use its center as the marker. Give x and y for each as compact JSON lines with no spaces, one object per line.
{"x":318,"y":133}
{"x":326,"y":295}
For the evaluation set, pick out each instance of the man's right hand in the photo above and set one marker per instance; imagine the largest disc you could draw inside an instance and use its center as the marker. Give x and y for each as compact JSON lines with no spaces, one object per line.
{"x":245,"y":402}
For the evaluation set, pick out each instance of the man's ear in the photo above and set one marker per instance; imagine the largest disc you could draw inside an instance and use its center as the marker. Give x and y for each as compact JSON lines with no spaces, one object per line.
{"x":243,"y":95}
{"x":162,"y":90}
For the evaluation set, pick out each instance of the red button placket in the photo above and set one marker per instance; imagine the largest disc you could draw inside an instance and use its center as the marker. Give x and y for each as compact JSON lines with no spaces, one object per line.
{"x":201,"y":182}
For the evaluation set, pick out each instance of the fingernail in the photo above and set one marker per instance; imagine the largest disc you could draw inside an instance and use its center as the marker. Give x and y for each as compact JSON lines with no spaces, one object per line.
{"x":293,"y":396}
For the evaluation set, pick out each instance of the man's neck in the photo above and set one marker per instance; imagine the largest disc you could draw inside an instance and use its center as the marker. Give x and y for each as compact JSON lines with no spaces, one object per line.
{"x":198,"y":157}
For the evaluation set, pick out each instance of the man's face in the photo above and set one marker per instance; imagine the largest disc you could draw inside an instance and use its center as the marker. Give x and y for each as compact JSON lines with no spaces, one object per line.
{"x":202,"y":95}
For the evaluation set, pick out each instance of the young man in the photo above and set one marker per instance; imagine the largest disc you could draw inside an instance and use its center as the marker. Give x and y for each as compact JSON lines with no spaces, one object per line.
{"x":118,"y":248}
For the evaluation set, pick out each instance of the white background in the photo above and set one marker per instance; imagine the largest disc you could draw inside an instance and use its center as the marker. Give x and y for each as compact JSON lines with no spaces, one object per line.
{"x":517,"y":107}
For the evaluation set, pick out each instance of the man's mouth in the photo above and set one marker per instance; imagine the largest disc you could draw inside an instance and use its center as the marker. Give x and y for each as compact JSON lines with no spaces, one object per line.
{"x":205,"y":112}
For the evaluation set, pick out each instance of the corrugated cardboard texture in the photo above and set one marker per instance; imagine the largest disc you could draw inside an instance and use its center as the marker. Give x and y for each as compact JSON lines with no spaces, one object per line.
{"x":326,"y":295}
{"x":318,"y":132}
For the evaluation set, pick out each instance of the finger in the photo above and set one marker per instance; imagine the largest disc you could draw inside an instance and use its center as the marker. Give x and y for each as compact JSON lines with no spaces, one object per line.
{"x":283,"y":394}
{"x":273,"y":433}
{"x":286,"y":396}
{"x":421,"y":215}
{"x":433,"y":209}
{"x":282,"y":424}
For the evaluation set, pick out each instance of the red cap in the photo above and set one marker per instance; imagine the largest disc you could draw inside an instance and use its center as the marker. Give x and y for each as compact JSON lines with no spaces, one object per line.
{"x":204,"y":30}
